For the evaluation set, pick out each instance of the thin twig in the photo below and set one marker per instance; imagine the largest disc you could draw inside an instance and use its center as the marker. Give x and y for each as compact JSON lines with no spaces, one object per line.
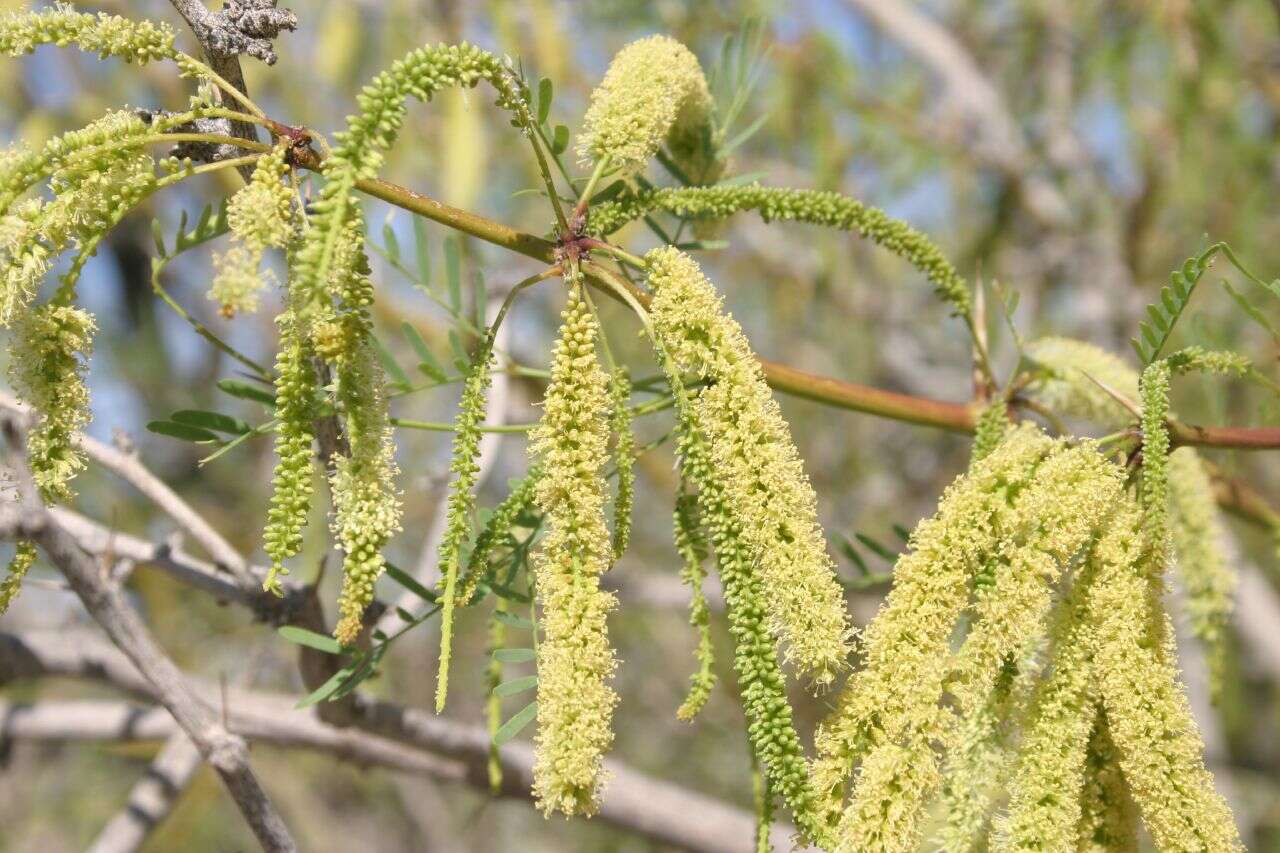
{"x":108,"y":606}
{"x":152,"y":797}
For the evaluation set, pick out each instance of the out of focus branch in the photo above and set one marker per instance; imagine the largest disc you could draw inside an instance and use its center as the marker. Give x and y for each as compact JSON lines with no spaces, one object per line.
{"x":385,"y":735}
{"x":106,"y":603}
{"x":152,"y":797}
{"x":998,"y":139}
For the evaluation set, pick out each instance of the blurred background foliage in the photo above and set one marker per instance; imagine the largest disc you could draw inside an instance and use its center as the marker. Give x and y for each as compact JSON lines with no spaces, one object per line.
{"x":1155,"y":124}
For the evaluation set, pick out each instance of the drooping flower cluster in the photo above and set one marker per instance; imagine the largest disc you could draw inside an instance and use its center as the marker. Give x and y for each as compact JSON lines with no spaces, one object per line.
{"x":103,"y":34}
{"x":504,"y":517}
{"x":366,"y":502}
{"x":292,"y":483}
{"x":693,"y":549}
{"x":260,"y":216}
{"x":575,"y":660}
{"x":1198,"y":534}
{"x":1025,"y":515}
{"x":461,"y":503}
{"x":1160,"y":750}
{"x":89,"y":199}
{"x":775,"y":744}
{"x":49,"y":355}
{"x":373,"y":129}
{"x":816,"y":207}
{"x":1071,"y":387}
{"x":50,"y":352}
{"x":624,"y":454}
{"x":653,"y":91}
{"x":763,"y":480}
{"x":889,"y":714}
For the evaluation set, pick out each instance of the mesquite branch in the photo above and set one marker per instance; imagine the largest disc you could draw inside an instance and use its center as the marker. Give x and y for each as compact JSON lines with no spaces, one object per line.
{"x":106,"y":602}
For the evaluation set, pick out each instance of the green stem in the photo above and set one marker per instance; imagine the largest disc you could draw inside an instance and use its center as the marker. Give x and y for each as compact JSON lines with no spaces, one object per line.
{"x":201,"y":329}
{"x":585,"y":199}
{"x":184,"y":59}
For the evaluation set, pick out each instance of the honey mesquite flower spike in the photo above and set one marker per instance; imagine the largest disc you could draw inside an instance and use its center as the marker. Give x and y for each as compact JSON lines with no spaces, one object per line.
{"x":19,"y":564}
{"x":1044,"y":810}
{"x":575,"y":660}
{"x":48,"y":357}
{"x":1149,"y":719}
{"x":103,"y":34}
{"x":654,"y":90}
{"x":763,"y":479}
{"x":770,"y":727}
{"x":50,"y":352}
{"x":1198,"y":535}
{"x":624,"y":454}
{"x":1068,"y":389}
{"x":74,"y":153}
{"x":1196,"y":359}
{"x":366,"y":503}
{"x":1054,"y":519}
{"x":1154,"y":390}
{"x":292,"y":484}
{"x":816,"y":207}
{"x":1108,"y":816}
{"x":461,"y":503}
{"x":85,"y":205}
{"x":373,"y":130}
{"x":888,"y":714}
{"x":260,"y":216}
{"x":693,"y":550}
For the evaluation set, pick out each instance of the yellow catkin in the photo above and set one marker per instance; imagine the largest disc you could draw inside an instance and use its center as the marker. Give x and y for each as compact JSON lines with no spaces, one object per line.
{"x":1044,"y":794}
{"x":1108,"y":817}
{"x":1069,"y":389}
{"x":693,"y":549}
{"x":1054,"y":518}
{"x":889,"y":712}
{"x":976,"y":765}
{"x":1201,"y":564}
{"x":575,"y":661}
{"x":260,"y":215}
{"x":1161,"y":753}
{"x":750,"y":446}
{"x":654,"y":90}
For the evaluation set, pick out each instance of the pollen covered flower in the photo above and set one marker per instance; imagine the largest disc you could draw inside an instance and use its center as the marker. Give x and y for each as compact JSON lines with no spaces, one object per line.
{"x":654,"y":90}
{"x":260,"y":215}
{"x":366,"y":502}
{"x":50,"y":352}
{"x":1149,"y":719}
{"x":1199,"y":559}
{"x":103,"y":34}
{"x":292,"y":483}
{"x":890,"y":712}
{"x":1069,"y":388}
{"x":764,"y":484}
{"x":575,"y":660}
{"x":461,"y":505}
{"x":693,"y":550}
